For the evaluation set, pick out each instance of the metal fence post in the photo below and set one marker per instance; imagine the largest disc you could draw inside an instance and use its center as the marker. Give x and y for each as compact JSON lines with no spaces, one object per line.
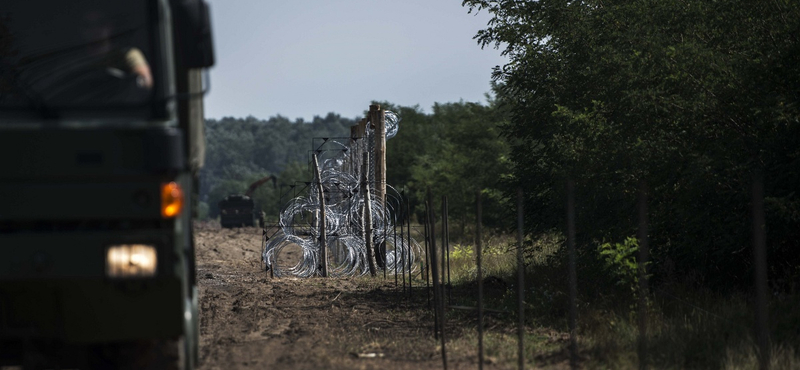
{"x":428,"y":257}
{"x":520,"y":283}
{"x":573,"y":276}
{"x":323,"y":237}
{"x":760,"y":259}
{"x":479,"y":263}
{"x":408,"y":230}
{"x":438,"y":299}
{"x":644,"y":256}
{"x":445,"y":251}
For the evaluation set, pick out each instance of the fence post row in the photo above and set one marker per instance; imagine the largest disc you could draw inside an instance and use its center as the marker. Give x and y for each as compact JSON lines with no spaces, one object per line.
{"x":441,"y":286}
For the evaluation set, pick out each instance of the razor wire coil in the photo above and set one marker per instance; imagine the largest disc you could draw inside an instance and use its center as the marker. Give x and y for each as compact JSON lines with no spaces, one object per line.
{"x":344,"y":212}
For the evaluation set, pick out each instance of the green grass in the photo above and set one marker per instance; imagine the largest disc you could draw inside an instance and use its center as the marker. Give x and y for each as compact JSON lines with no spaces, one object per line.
{"x":688,"y":328}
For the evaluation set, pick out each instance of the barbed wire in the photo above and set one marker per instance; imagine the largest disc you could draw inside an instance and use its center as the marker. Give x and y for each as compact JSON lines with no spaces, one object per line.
{"x":344,"y":212}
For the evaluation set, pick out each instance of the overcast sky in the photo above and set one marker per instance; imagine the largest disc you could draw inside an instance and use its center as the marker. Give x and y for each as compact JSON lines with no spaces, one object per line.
{"x":301,"y":58}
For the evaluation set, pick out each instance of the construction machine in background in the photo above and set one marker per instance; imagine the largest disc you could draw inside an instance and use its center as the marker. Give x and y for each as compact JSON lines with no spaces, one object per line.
{"x":238,"y":210}
{"x":101,"y":142}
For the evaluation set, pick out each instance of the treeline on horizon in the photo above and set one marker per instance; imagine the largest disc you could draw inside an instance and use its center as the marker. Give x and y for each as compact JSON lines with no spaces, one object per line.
{"x":431,"y":150}
{"x":691,"y":98}
{"x":240,"y":151}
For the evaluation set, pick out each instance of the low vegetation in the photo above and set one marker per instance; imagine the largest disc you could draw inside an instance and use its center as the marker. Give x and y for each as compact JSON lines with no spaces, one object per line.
{"x":688,"y":327}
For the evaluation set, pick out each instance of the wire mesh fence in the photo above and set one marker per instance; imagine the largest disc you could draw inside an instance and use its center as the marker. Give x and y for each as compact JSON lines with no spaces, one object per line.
{"x":349,"y":219}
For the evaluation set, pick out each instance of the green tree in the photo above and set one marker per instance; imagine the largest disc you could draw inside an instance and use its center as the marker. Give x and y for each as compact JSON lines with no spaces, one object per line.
{"x":467,"y":155}
{"x":689,"y":96}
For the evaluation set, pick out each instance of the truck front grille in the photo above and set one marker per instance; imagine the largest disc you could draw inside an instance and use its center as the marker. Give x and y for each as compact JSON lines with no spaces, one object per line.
{"x":61,"y":226}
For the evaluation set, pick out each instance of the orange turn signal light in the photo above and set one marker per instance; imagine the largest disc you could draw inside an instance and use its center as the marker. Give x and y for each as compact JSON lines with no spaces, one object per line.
{"x":171,"y":200}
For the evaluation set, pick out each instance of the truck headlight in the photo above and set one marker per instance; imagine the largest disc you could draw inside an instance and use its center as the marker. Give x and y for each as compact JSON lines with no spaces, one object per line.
{"x":131,"y":260}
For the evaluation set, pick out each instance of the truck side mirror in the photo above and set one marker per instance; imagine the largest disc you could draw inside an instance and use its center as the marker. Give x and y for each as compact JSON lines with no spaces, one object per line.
{"x":193,"y":33}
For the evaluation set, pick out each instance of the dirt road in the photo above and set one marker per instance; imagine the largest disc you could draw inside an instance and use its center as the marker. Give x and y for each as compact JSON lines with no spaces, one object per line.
{"x":250,"y":321}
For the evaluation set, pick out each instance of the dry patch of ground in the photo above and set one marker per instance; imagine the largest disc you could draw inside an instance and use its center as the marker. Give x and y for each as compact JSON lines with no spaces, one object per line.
{"x":251,"y":321}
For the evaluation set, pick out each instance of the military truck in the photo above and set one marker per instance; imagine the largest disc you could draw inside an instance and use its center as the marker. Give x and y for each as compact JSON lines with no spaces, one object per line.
{"x":101,"y":141}
{"x":238,"y":210}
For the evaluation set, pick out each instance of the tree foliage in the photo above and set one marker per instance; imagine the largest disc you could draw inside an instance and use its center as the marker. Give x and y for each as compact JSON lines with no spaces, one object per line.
{"x":455,"y":151}
{"x":690,"y":96}
{"x":242,"y":150}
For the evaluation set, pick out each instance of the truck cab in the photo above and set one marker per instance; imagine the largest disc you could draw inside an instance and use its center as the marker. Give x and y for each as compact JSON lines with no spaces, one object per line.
{"x":101,"y":141}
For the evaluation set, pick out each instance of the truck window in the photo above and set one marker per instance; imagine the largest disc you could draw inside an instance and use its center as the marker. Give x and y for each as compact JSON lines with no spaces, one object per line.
{"x":81,"y":54}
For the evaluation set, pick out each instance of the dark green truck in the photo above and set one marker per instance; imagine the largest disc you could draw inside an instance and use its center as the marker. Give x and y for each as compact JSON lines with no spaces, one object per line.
{"x":101,"y":141}
{"x":238,"y":210}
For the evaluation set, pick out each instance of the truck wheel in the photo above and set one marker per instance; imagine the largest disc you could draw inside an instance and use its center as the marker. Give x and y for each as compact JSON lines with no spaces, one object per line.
{"x":163,"y":354}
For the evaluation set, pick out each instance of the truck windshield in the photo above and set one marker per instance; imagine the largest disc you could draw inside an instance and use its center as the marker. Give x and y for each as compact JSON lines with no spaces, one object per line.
{"x":84,"y":54}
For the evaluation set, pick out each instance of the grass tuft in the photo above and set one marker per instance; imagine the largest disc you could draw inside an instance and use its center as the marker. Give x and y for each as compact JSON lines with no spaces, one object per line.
{"x":688,"y":327}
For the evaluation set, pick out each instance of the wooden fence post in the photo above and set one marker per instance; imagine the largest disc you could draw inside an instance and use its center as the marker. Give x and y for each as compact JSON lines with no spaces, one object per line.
{"x":377,"y":118}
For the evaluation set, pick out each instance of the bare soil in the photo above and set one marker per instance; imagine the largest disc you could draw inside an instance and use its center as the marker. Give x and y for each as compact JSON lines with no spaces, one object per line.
{"x":251,"y":321}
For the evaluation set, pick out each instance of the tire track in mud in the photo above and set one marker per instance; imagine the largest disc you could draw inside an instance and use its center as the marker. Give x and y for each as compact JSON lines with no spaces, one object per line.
{"x":237,"y":310}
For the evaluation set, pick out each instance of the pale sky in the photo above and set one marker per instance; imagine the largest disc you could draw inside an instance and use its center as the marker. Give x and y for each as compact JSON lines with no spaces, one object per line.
{"x":301,"y":58}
